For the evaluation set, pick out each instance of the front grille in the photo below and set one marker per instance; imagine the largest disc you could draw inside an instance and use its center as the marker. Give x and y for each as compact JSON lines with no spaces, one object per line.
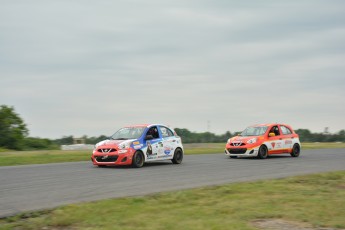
{"x":106,"y":158}
{"x":237,"y":144}
{"x":106,"y":150}
{"x":238,"y":151}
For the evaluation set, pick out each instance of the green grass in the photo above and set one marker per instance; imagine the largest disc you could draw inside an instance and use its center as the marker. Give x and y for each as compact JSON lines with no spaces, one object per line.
{"x":317,"y":200}
{"x":322,"y":145}
{"x":203,"y":148}
{"x":42,"y":157}
{"x":8,"y":158}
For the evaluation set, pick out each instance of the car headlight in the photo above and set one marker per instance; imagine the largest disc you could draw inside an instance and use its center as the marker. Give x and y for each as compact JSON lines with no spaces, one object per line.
{"x":125,"y":145}
{"x":252,"y":141}
{"x":229,"y":141}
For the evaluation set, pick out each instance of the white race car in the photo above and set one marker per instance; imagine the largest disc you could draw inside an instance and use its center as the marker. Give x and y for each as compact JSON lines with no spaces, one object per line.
{"x":137,"y":144}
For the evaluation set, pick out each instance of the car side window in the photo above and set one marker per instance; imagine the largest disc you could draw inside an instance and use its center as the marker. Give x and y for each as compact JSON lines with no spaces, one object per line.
{"x":166,"y":132}
{"x":275,"y":130}
{"x":153,"y":131}
{"x":285,"y":130}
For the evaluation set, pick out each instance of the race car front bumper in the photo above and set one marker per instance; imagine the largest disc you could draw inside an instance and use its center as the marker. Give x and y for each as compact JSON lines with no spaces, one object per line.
{"x":113,"y":159}
{"x":245,"y":152}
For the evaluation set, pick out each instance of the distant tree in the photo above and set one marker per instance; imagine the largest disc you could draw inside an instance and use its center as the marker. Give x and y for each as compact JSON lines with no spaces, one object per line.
{"x":34,"y":143}
{"x":205,"y":137}
{"x":224,"y":137}
{"x":12,"y":129}
{"x":341,"y":135}
{"x":305,"y":135}
{"x":65,"y":140}
{"x":94,"y":140}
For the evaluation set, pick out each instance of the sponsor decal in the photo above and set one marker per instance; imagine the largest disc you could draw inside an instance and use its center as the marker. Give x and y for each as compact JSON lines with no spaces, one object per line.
{"x":151,"y":157}
{"x":137,"y":146}
{"x":136,"y":143}
{"x":149,"y":148}
{"x":105,"y":157}
{"x":164,"y":156}
{"x":167,"y":150}
{"x":273,"y":144}
{"x":288,"y":142}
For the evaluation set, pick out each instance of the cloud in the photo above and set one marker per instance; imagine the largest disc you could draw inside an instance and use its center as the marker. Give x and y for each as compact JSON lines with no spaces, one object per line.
{"x":81,"y":67}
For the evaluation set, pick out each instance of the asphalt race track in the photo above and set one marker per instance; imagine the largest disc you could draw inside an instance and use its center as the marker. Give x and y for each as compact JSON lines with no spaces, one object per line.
{"x":36,"y":187}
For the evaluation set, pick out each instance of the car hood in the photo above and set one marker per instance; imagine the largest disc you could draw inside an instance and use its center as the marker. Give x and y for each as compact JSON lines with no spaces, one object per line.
{"x":242,"y":139}
{"x":113,"y":142}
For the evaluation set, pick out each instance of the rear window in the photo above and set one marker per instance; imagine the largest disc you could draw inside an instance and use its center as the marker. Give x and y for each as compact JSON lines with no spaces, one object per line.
{"x":285,"y":130}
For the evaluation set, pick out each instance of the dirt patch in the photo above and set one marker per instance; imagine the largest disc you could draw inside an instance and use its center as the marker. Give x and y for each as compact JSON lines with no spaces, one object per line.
{"x":342,"y":186}
{"x":279,"y":224}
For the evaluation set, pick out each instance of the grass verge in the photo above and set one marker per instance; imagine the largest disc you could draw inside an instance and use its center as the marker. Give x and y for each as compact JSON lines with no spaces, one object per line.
{"x":42,"y":157}
{"x":9,"y":158}
{"x":317,"y":199}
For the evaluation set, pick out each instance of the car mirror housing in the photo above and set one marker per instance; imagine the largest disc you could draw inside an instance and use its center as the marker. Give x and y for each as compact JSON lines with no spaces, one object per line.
{"x":271,"y":135}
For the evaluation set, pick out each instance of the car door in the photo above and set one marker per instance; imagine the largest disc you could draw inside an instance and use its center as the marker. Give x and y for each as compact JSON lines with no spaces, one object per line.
{"x":154,"y":143}
{"x":276,"y":141}
{"x":287,"y":138}
{"x":168,"y":143}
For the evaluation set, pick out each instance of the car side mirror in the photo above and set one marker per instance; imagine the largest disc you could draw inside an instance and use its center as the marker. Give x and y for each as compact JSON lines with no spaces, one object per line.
{"x":148,"y":137}
{"x":271,"y":134}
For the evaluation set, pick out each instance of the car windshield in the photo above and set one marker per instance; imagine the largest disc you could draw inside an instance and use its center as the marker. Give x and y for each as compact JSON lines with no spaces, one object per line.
{"x":128,"y":133}
{"x":254,"y":131}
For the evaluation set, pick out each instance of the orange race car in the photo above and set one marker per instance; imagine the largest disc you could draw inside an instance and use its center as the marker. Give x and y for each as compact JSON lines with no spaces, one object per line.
{"x":263,"y":140}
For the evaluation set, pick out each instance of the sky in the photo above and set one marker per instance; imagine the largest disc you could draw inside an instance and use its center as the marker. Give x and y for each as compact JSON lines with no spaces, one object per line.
{"x":91,"y":67}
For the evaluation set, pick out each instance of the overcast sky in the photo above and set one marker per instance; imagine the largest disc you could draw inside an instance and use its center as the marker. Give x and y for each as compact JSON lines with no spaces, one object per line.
{"x":90,"y":67}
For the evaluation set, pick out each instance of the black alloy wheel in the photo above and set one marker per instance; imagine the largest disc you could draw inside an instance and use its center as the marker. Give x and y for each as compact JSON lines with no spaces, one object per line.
{"x":263,"y":152}
{"x":295,"y":150}
{"x":138,"y":160}
{"x":178,"y":156}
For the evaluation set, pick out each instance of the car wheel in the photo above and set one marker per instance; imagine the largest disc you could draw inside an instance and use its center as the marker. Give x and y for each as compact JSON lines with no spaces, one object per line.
{"x":263,"y":152}
{"x":295,"y":150}
{"x":178,"y":156}
{"x":138,"y":160}
{"x":233,"y":156}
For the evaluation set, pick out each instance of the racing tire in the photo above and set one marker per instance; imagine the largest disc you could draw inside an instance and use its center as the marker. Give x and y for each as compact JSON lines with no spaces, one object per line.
{"x":296,"y":149}
{"x":138,"y":160}
{"x":178,"y":156}
{"x":233,"y":157}
{"x":263,"y":152}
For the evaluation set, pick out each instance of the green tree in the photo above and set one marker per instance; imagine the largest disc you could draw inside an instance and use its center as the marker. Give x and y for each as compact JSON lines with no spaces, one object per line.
{"x":35,"y":143}
{"x":12,"y":129}
{"x":65,"y":140}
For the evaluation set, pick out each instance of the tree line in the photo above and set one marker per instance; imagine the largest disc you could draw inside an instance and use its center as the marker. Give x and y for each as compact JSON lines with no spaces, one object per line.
{"x":15,"y":135}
